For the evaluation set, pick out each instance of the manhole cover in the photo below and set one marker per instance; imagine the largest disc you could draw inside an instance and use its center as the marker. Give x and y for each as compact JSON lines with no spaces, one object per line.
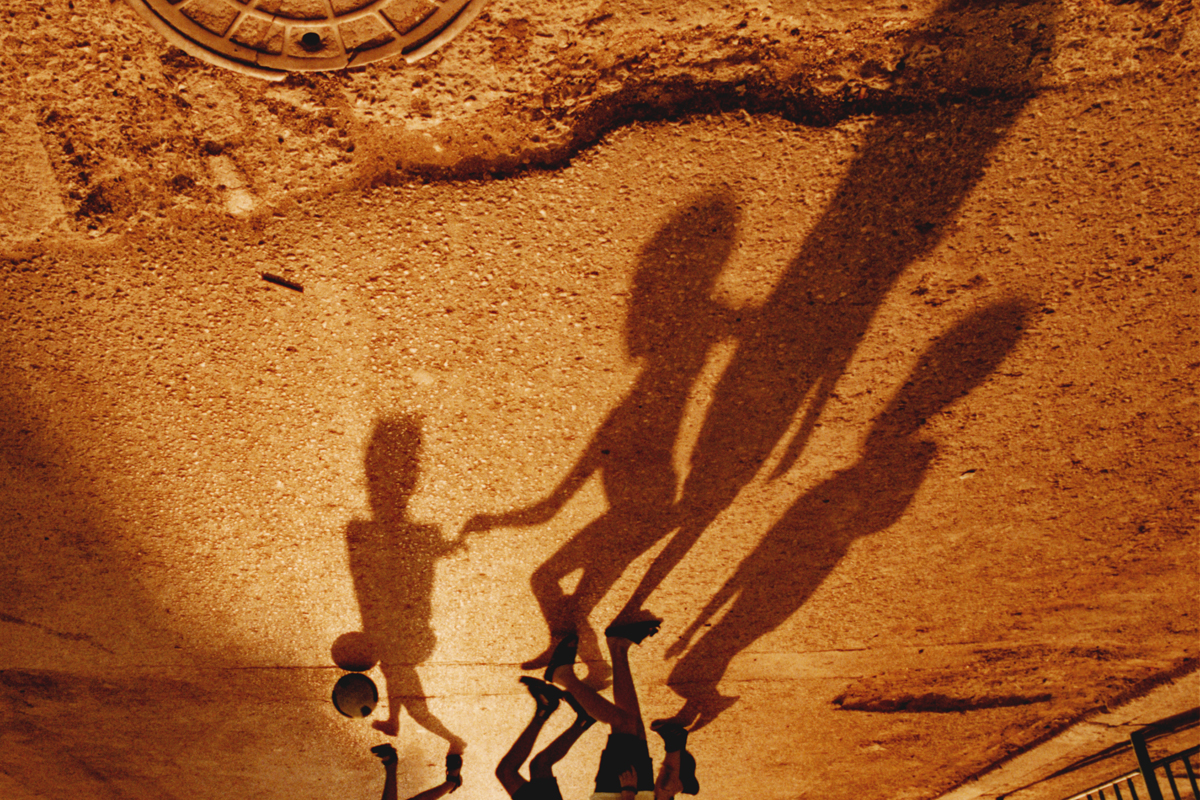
{"x":269,"y":38}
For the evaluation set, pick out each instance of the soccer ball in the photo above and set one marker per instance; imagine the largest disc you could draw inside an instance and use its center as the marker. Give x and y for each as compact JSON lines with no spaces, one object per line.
{"x":355,"y":695}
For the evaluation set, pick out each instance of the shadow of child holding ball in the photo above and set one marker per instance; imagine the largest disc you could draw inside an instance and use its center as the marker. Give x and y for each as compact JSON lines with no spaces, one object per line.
{"x":392,"y":562}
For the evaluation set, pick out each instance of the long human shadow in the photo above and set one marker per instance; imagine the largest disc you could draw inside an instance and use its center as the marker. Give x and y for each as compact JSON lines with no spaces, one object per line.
{"x":893,"y":206}
{"x":392,"y":561}
{"x":672,"y":325}
{"x":812,"y":536}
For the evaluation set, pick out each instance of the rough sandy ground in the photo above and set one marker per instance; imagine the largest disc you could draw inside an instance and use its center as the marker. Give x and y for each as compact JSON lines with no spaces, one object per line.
{"x":935,"y":400}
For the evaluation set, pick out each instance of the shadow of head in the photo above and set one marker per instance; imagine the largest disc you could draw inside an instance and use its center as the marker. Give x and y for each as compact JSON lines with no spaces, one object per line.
{"x":676,"y":271}
{"x":354,"y":652}
{"x":393,"y":464}
{"x":956,"y":363}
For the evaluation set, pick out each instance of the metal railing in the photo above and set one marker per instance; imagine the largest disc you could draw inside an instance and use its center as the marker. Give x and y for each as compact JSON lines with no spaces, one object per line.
{"x":1114,"y":788}
{"x":1148,"y":775}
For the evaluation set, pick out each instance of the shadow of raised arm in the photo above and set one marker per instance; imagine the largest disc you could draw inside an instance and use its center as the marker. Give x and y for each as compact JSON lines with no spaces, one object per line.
{"x":543,"y":510}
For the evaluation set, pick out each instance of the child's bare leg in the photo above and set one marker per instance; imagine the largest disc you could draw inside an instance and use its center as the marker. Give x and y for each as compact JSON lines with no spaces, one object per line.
{"x":387,"y":754}
{"x":389,"y":782}
{"x":508,"y":770}
{"x":624,"y":692}
{"x":452,"y":782}
{"x":599,"y":707}
{"x":667,"y":784}
{"x":441,"y":790}
{"x":543,"y":763}
{"x":678,"y":773}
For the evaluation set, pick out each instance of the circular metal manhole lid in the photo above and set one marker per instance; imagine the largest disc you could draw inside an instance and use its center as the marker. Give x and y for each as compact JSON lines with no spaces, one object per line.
{"x":269,"y":38}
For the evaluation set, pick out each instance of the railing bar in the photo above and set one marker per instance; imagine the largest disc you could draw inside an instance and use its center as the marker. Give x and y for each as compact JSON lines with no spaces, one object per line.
{"x":1192,"y":778}
{"x":1180,"y":756}
{"x":1138,"y":740}
{"x":1171,"y":780}
{"x":1087,"y":794}
{"x":1149,"y":777}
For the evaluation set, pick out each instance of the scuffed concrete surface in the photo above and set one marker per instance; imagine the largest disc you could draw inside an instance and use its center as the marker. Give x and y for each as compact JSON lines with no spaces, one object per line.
{"x":136,"y":129}
{"x":1097,"y":749}
{"x":184,"y":444}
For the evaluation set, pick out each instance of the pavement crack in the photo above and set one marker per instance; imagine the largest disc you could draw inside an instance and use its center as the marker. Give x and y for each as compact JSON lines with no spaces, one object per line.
{"x":64,"y":635}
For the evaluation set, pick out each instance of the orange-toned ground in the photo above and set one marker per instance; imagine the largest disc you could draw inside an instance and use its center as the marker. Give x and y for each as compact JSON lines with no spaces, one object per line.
{"x":882,"y":321}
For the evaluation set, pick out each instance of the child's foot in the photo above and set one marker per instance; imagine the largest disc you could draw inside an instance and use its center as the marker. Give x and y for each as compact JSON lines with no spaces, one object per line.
{"x":634,"y":632}
{"x":454,"y":770}
{"x":582,"y":718}
{"x":563,"y":655}
{"x":546,"y":696}
{"x":385,"y":753}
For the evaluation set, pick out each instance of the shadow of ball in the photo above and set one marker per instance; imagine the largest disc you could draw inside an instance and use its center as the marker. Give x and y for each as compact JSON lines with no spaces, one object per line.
{"x":355,"y":695}
{"x":354,"y":652}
